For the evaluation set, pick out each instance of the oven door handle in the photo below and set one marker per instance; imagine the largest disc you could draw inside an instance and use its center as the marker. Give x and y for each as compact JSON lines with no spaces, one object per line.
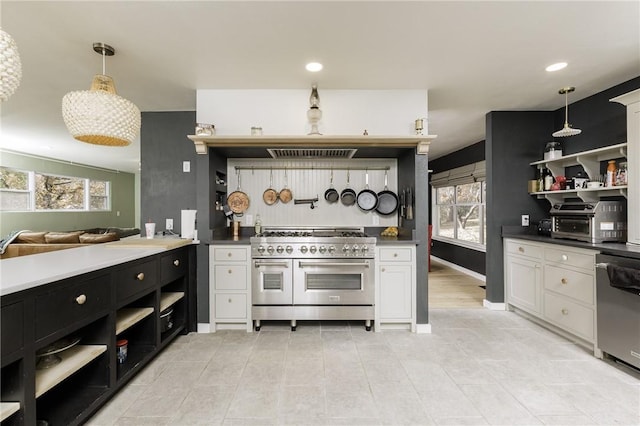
{"x":303,"y":264}
{"x":258,"y":264}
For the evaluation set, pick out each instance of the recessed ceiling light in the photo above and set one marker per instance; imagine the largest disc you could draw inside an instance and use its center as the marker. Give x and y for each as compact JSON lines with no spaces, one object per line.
{"x":556,"y":67}
{"x":314,"y":66}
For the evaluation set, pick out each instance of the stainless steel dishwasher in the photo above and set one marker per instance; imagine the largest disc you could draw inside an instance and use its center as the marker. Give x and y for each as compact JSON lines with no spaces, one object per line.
{"x":618,"y":307}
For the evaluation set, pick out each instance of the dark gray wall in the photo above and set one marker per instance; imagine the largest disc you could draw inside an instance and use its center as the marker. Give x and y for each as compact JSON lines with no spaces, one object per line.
{"x":470,"y":259}
{"x":166,"y":190}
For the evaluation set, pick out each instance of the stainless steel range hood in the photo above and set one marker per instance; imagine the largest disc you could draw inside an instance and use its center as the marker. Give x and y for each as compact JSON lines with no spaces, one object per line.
{"x":279,"y":153}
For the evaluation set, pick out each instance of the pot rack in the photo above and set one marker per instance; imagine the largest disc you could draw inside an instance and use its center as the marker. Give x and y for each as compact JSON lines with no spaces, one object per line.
{"x":384,"y":168}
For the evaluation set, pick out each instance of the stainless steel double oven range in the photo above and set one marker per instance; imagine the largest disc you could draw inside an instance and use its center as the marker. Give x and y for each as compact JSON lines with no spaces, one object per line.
{"x":313,"y":274}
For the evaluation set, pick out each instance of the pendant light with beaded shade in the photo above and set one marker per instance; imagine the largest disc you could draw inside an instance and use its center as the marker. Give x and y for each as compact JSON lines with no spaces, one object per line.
{"x":99,"y":116}
{"x":567,"y":130}
{"x":10,"y":66}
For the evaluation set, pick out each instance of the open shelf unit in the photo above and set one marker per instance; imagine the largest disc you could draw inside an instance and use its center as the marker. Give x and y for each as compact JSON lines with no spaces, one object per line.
{"x":590,"y":161}
{"x":122,"y":301}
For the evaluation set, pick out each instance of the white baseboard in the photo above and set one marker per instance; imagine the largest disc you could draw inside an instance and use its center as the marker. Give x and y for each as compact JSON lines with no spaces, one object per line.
{"x":494,"y":306}
{"x":423,"y":328}
{"x":460,"y":269}
{"x":204,"y":327}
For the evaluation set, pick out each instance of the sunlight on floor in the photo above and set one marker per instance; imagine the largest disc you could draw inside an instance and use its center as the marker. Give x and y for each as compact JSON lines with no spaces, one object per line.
{"x":449,"y":288}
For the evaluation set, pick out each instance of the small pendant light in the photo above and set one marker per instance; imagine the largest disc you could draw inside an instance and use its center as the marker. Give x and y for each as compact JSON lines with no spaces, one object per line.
{"x":567,"y":130}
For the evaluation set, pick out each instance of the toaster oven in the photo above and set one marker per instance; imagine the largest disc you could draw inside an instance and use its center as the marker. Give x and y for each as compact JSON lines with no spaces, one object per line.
{"x":596,"y":222}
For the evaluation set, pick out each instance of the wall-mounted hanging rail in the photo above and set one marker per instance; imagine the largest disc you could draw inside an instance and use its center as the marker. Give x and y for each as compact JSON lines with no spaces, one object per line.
{"x":312,"y":168}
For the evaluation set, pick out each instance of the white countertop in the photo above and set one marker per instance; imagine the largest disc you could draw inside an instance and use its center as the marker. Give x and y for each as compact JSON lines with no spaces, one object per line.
{"x":25,"y":272}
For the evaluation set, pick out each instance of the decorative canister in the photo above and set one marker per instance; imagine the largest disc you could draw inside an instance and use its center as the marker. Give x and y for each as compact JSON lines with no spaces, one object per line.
{"x":121,"y":350}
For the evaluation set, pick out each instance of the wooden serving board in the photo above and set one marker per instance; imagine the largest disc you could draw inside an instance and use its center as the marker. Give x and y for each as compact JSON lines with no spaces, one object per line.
{"x":167,"y":243}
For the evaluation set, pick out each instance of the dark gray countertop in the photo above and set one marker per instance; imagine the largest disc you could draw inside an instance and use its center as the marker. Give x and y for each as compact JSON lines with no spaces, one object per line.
{"x":618,"y":249}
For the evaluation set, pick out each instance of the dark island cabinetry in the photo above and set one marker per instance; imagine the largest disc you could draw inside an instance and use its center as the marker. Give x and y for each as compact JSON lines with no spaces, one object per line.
{"x":62,"y":342}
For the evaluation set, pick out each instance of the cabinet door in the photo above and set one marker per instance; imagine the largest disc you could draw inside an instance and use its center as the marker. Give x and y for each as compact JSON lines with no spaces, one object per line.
{"x":524,"y":284}
{"x":395,"y":292}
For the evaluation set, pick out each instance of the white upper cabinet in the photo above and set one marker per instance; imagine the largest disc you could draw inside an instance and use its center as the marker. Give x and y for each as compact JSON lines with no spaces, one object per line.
{"x":632,"y":101}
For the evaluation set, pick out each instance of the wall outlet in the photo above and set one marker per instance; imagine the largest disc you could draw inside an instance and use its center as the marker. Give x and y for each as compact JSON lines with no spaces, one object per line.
{"x":186,"y":166}
{"x":169,"y":225}
{"x":524,"y":219}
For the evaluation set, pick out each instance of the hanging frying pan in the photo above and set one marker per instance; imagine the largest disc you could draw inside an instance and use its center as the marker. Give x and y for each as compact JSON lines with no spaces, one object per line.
{"x":387,"y":200}
{"x":238,"y":201}
{"x":331,"y":194}
{"x":285,"y":195}
{"x":367,"y":199}
{"x":270,"y":196}
{"x":348,"y":195}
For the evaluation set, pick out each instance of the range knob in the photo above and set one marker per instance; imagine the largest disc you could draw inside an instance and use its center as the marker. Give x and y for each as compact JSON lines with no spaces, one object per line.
{"x":313,"y":249}
{"x":261,"y":249}
{"x":354,"y":248}
{"x":270,"y":249}
{"x":303,"y":249}
{"x":280,"y":249}
{"x":345,"y":248}
{"x":365,"y":248}
{"x":289,"y":249}
{"x":332,"y":249}
{"x":322,"y":249}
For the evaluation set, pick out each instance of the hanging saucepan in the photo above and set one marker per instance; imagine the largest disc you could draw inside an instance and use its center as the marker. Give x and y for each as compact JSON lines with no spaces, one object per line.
{"x":238,"y":201}
{"x":331,"y":194}
{"x":270,"y":195}
{"x":367,"y":199}
{"x":387,"y":200}
{"x":348,"y":195}
{"x":285,"y":195}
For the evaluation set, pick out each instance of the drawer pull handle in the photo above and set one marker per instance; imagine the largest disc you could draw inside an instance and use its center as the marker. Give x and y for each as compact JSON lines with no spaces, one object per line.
{"x":80,"y":300}
{"x":176,"y":262}
{"x":140,"y":276}
{"x":395,"y":254}
{"x":521,"y":250}
{"x":230,"y":271}
{"x":229,"y":300}
{"x":383,"y":269}
{"x":229,"y":254}
{"x":564,"y":281}
{"x":565,"y":311}
{"x":565,"y":257}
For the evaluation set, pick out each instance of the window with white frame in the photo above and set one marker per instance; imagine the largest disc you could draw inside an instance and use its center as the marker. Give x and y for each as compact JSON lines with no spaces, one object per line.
{"x":31,"y":191}
{"x":459,"y":207}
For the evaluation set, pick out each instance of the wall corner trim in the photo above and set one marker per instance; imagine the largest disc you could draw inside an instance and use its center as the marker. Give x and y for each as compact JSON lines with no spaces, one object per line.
{"x":423,"y":328}
{"x":494,"y":306}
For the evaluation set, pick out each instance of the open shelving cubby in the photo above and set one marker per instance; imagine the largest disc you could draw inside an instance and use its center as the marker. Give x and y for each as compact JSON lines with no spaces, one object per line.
{"x":590,"y":161}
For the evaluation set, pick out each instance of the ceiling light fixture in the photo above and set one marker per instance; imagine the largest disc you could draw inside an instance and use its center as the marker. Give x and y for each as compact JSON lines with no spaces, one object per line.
{"x":314,"y":66}
{"x":10,"y":66}
{"x":567,"y":130}
{"x":556,"y":67}
{"x":99,"y":116}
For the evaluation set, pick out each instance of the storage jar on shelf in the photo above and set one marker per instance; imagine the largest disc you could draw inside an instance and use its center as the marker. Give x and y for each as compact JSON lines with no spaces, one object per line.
{"x":611,"y":173}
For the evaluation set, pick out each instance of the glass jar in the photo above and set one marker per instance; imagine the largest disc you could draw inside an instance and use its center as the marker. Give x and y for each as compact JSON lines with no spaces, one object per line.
{"x":621,"y":176}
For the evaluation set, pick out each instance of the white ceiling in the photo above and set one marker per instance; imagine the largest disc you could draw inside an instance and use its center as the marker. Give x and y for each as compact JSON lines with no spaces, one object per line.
{"x":473,"y":57}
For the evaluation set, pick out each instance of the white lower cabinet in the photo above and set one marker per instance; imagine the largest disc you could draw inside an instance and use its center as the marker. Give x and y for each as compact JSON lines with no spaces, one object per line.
{"x":230,"y":287}
{"x":396,"y":287}
{"x":554,"y":283}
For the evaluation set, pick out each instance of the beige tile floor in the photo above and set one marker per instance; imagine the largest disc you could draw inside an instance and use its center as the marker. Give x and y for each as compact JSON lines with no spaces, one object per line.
{"x":477,"y":367}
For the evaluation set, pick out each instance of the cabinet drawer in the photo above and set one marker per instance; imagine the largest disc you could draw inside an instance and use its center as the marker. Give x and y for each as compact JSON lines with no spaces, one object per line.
{"x":64,"y":306}
{"x":395,"y":254}
{"x":571,"y":258}
{"x":569,"y":315}
{"x":230,"y":277}
{"x":577,"y":285}
{"x":12,"y":327}
{"x":230,"y":306}
{"x":229,"y":254}
{"x":135,"y":279}
{"x":173,"y":266}
{"x":524,"y":249}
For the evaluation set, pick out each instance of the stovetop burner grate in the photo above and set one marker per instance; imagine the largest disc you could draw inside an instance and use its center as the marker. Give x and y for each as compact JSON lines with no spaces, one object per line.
{"x":310,"y":234}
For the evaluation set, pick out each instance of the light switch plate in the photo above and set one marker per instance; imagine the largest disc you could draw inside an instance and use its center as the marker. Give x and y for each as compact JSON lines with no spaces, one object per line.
{"x":525,"y":219}
{"x":186,"y":166}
